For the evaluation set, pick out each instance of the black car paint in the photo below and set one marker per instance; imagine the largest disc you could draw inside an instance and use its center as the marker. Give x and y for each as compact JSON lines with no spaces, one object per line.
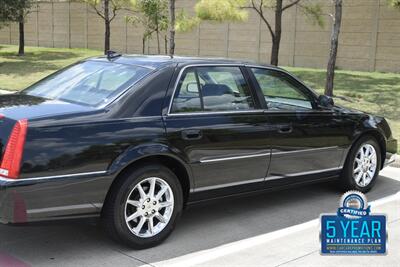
{"x":99,"y":144}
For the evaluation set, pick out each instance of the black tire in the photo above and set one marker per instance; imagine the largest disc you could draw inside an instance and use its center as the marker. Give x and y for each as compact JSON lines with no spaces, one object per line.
{"x":113,"y":213}
{"x":346,"y":180}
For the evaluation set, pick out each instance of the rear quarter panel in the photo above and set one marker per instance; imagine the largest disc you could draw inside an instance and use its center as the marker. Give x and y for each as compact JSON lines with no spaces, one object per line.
{"x":86,"y":147}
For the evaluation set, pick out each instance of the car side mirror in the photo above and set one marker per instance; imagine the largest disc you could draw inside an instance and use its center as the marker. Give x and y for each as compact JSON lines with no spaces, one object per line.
{"x":325,"y":101}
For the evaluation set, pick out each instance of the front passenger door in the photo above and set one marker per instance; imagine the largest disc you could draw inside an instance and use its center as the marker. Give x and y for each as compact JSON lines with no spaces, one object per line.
{"x":305,"y":140}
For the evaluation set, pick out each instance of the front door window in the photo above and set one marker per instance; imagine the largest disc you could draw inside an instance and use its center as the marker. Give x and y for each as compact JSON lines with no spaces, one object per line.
{"x":280,"y":92}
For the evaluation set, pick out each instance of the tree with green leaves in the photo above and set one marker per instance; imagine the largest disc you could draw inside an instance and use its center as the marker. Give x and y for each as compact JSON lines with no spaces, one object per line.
{"x":394,"y":3}
{"x":23,"y":7}
{"x":5,"y":12}
{"x":153,"y":16}
{"x":237,"y":10}
{"x":16,"y":11}
{"x":107,"y":10}
{"x":337,"y":21}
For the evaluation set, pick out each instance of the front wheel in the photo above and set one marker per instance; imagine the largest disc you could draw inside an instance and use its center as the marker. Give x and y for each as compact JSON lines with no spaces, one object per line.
{"x":144,"y":206}
{"x":362,"y":165}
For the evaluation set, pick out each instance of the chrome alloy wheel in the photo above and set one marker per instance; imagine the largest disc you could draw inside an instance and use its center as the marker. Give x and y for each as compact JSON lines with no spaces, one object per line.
{"x":149,"y":207}
{"x":365,"y":164}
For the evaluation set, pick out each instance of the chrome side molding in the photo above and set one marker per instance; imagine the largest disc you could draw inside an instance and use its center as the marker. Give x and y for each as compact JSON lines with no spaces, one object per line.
{"x":235,"y":157}
{"x":53,"y":176}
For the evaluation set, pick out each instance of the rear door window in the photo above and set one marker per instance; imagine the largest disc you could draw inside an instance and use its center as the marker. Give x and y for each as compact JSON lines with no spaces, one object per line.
{"x":212,"y":88}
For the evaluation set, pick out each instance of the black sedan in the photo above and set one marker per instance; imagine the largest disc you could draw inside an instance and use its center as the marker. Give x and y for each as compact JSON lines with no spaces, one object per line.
{"x":134,"y":139}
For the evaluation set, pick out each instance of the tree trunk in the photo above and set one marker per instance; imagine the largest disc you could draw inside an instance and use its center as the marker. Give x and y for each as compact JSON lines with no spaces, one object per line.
{"x":144,"y":45}
{"x":276,"y":39}
{"x":107,"y":37}
{"x":21,"y":49}
{"x":158,"y":42}
{"x":158,"y":36}
{"x":330,"y":74}
{"x":107,"y":26}
{"x":166,"y":44}
{"x":171,"y":27}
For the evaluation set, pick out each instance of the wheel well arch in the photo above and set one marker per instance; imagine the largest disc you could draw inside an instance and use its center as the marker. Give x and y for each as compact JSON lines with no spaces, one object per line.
{"x":177,"y":167}
{"x":378,"y":137}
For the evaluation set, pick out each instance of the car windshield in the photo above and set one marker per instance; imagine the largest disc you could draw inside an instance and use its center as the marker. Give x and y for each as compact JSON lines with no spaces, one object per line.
{"x":89,"y":83}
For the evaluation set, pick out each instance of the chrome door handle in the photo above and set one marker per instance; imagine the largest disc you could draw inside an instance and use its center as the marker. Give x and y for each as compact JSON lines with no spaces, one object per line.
{"x":192,"y":134}
{"x":285,"y":129}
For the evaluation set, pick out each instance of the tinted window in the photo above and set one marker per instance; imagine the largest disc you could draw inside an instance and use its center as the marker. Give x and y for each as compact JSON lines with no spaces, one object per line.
{"x":212,"y":89}
{"x":89,"y":83}
{"x":188,"y":94}
{"x":280,"y":92}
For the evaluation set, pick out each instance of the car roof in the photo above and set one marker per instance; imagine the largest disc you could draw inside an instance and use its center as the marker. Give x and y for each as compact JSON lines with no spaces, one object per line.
{"x":159,"y":61}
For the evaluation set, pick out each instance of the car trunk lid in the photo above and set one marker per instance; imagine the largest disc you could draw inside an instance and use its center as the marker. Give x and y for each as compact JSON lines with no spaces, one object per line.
{"x":22,"y":106}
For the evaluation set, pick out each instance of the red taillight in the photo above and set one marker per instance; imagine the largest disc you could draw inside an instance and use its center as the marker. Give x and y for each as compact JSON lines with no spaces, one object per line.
{"x":12,"y":156}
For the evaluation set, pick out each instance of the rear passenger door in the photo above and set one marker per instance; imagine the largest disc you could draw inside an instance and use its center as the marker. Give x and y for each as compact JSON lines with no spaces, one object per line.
{"x":216,"y":122}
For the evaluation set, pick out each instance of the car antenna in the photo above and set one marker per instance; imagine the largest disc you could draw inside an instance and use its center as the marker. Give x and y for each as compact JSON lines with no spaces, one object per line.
{"x":112,"y":54}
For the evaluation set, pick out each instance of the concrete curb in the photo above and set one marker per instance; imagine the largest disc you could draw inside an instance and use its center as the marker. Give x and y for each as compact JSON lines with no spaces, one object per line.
{"x":396,"y":162}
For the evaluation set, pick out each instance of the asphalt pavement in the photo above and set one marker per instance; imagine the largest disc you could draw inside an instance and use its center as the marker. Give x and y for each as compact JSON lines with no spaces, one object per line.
{"x":231,"y":225}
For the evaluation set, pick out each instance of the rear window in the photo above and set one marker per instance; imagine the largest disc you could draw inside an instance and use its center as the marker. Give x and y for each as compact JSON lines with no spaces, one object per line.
{"x":89,"y":83}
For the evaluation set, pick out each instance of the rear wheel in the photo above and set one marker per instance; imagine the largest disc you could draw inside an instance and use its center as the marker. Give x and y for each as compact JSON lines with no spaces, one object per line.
{"x":362,"y":165}
{"x":144,"y":206}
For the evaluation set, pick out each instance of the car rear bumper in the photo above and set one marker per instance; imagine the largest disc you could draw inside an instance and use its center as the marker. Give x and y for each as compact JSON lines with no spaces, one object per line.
{"x":45,"y":198}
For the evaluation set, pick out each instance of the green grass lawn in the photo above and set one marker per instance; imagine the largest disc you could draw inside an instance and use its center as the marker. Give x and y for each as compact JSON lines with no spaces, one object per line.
{"x":377,"y":93}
